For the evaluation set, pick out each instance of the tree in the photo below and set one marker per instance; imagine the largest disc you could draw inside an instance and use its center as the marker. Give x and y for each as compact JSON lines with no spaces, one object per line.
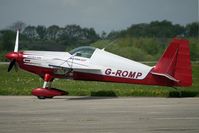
{"x":193,"y":29}
{"x":179,"y":30}
{"x":90,"y":34}
{"x":160,"y":29}
{"x":30,"y":32}
{"x":74,"y":34}
{"x":41,"y":31}
{"x":19,"y":25}
{"x":8,"y":38}
{"x":103,"y":35}
{"x":114,"y":34}
{"x":52,"y":32}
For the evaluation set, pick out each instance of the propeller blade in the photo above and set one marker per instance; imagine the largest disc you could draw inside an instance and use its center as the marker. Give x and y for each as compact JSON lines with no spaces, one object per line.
{"x":12,"y":63}
{"x":14,"y":55}
{"x":17,"y":42}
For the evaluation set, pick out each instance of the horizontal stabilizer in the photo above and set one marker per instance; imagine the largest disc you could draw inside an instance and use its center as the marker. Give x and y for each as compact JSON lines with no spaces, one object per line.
{"x":166,"y":76}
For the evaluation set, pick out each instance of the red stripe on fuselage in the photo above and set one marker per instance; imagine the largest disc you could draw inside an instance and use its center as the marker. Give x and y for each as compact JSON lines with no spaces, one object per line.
{"x":149,"y":80}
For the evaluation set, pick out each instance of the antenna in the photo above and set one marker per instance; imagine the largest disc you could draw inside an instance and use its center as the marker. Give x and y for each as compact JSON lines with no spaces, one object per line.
{"x":112,"y":42}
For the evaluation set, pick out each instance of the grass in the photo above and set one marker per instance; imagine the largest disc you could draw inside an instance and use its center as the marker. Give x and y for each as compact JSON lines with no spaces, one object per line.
{"x":21,"y":83}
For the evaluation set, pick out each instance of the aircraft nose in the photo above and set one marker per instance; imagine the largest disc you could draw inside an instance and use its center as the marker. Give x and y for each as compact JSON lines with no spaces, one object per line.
{"x":11,"y":55}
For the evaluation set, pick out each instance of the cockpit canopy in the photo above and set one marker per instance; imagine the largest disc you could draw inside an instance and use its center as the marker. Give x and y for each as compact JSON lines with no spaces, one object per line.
{"x":85,"y":51}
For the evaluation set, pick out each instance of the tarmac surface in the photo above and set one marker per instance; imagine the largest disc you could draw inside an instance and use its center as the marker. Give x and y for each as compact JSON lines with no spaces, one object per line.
{"x":27,"y":114}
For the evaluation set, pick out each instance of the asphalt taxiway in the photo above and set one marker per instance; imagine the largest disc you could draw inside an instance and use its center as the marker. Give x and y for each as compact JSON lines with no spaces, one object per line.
{"x":24,"y":114}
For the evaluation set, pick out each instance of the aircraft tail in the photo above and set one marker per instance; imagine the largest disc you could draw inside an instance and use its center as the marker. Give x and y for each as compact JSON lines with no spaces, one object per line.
{"x":175,"y":63}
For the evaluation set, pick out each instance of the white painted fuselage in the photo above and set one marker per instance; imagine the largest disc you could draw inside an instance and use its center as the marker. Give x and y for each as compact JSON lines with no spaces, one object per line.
{"x":101,"y":62}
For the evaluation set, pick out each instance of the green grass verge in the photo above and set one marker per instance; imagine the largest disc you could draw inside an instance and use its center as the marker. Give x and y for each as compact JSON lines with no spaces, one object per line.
{"x":21,"y":83}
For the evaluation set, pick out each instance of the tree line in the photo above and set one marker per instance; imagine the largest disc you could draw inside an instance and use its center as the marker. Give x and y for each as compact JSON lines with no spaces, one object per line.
{"x":158,"y":29}
{"x":69,"y":33}
{"x":59,"y":38}
{"x":53,"y":35}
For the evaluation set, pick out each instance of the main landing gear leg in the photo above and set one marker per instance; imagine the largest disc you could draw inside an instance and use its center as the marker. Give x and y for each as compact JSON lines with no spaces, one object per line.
{"x":46,"y":91}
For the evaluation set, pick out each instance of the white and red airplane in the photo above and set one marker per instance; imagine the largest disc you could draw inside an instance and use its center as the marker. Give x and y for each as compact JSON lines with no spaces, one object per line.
{"x":88,"y":63}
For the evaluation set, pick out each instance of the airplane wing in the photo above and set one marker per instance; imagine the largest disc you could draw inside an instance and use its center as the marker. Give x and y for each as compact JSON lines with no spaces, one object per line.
{"x":75,"y":66}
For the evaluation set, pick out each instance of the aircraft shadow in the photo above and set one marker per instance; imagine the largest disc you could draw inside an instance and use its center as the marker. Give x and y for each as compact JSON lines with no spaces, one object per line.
{"x":84,"y":97}
{"x":95,"y":95}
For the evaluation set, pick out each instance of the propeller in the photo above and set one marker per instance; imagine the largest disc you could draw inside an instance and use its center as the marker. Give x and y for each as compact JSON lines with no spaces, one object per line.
{"x":14,"y":55}
{"x":13,"y":63}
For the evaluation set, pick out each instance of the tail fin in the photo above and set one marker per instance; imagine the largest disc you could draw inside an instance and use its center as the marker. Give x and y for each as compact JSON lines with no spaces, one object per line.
{"x":175,"y":63}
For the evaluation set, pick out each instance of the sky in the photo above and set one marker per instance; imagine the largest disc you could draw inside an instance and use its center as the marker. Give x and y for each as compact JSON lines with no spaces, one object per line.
{"x":102,"y":15}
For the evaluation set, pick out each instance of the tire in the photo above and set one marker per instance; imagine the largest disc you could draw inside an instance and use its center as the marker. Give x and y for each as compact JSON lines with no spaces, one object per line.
{"x":50,"y":97}
{"x":41,"y":97}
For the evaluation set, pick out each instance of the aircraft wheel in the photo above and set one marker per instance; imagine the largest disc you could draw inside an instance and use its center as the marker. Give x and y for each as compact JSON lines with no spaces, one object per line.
{"x":50,"y":97}
{"x":41,"y":97}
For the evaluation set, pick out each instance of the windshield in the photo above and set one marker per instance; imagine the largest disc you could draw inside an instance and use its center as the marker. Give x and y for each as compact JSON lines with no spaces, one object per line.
{"x":85,"y":51}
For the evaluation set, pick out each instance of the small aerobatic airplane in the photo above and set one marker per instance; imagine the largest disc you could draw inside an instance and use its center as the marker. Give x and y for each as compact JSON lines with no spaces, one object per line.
{"x":88,"y":63}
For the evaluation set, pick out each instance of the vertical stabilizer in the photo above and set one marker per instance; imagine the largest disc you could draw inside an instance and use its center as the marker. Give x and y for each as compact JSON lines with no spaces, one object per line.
{"x":175,"y":63}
